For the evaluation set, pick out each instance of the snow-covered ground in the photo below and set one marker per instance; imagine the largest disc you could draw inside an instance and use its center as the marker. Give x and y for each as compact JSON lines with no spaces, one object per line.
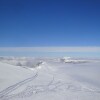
{"x":27,"y":78}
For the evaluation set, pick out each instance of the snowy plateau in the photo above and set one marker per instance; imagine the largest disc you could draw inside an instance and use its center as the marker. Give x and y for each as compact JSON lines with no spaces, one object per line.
{"x":63,"y":78}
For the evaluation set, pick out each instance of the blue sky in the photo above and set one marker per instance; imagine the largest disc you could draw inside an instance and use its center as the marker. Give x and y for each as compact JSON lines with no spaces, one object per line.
{"x":49,"y":23}
{"x":42,"y":23}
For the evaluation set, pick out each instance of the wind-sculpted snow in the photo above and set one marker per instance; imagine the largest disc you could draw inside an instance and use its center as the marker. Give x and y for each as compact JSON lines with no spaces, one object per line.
{"x":22,"y":61}
{"x":55,"y":80}
{"x":35,"y":62}
{"x":73,"y":61}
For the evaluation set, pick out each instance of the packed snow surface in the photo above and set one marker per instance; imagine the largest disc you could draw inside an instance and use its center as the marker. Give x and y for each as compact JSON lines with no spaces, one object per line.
{"x":28,"y":78}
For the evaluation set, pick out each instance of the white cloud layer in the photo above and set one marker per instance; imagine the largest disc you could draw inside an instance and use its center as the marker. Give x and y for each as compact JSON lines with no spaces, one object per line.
{"x":50,"y":49}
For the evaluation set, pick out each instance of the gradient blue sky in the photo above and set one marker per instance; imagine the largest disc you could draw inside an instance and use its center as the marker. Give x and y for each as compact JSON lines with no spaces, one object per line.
{"x":49,"y":23}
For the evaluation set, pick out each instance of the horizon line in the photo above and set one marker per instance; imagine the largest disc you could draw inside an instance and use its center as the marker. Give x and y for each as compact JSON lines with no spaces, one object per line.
{"x":52,"y":49}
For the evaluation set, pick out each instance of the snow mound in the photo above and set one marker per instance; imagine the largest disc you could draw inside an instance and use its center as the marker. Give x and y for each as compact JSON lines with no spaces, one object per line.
{"x":23,"y":61}
{"x":71,"y":60}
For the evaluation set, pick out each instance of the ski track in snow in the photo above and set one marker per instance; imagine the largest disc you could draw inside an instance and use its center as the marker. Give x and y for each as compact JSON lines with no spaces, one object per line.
{"x":52,"y":86}
{"x":16,"y":86}
{"x":30,"y":90}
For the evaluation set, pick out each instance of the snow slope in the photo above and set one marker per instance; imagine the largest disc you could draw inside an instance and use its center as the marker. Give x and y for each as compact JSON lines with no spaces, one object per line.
{"x":50,"y":79}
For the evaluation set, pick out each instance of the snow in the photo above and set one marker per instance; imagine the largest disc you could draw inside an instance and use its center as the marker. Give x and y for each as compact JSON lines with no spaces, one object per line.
{"x":27,"y":78}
